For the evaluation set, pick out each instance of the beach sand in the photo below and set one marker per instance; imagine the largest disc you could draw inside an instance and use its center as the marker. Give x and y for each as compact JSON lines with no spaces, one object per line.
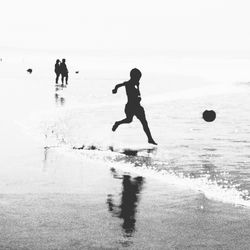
{"x":54,"y":197}
{"x":51,"y":200}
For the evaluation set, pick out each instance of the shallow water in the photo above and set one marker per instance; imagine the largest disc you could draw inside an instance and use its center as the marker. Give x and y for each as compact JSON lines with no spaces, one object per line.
{"x":209,"y":157}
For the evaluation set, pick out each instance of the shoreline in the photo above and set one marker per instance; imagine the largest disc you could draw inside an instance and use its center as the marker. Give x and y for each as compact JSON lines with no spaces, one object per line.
{"x":65,"y":204}
{"x":58,"y":199}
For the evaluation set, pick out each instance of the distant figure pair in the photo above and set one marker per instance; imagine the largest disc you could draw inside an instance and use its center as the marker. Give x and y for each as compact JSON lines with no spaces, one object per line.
{"x":61,"y":69}
{"x":133,"y":106}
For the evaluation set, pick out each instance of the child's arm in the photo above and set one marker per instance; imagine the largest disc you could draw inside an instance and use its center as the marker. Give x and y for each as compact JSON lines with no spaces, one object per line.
{"x":114,"y":91}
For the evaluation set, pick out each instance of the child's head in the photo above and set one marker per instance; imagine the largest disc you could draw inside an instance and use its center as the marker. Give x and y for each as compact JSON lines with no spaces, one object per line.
{"x":135,"y":74}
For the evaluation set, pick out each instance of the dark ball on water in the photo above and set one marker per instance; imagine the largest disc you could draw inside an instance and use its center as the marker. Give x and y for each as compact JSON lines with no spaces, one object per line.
{"x":209,"y":115}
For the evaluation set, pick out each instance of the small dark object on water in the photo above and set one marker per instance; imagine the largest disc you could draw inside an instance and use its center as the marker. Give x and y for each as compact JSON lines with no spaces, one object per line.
{"x":130,"y":152}
{"x":209,"y":115}
{"x":77,"y":72}
{"x":92,"y":147}
{"x":82,"y":147}
{"x":29,"y":70}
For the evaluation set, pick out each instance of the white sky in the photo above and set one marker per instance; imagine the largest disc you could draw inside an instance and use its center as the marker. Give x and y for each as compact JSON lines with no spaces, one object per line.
{"x":124,"y":24}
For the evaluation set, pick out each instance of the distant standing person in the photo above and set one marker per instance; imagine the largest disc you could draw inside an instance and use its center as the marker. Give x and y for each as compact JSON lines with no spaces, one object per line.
{"x":57,"y":69}
{"x":133,"y":106}
{"x":64,"y":71}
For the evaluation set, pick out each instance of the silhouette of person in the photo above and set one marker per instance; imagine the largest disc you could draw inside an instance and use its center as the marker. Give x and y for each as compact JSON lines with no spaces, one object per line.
{"x":57,"y":69}
{"x":129,"y":201}
{"x":64,"y":71}
{"x":133,"y":106}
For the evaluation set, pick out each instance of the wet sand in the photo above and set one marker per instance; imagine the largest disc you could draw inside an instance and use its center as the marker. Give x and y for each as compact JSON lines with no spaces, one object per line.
{"x":51,"y":200}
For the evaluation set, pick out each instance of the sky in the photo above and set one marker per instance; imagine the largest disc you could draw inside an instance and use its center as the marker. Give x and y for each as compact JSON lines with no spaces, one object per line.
{"x":130,"y":24}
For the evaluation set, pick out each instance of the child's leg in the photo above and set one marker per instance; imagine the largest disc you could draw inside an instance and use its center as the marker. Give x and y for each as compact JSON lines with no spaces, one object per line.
{"x":129,"y":117}
{"x":140,"y":114}
{"x":118,"y":123}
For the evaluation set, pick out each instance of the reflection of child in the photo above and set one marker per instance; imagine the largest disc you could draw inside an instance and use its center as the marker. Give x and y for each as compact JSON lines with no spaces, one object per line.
{"x":129,"y":201}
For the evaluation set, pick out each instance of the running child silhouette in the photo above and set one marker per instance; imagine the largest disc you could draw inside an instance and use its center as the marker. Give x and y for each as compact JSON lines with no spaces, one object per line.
{"x":133,"y":106}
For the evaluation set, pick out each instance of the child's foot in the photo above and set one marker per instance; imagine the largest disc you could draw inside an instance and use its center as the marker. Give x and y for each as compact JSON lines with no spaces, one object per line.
{"x":151,"y":141}
{"x":114,"y":127}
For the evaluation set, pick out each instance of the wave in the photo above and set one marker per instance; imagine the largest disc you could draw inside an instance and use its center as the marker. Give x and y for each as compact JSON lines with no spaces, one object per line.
{"x":226,"y":193}
{"x":148,"y":165}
